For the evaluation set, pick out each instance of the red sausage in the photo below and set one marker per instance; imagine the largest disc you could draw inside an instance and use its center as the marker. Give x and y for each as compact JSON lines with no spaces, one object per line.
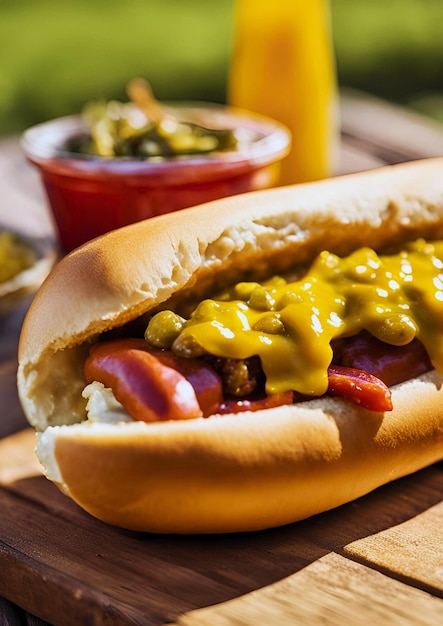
{"x":392,"y":364}
{"x":154,"y":385}
{"x":157,"y":385}
{"x":236,"y":405}
{"x":362,"y":388}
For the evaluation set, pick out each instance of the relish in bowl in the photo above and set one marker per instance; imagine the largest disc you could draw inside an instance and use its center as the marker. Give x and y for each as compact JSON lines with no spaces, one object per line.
{"x":118,"y":163}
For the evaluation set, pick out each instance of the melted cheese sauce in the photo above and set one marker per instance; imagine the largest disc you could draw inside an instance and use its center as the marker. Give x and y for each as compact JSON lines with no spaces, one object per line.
{"x":290,"y":325}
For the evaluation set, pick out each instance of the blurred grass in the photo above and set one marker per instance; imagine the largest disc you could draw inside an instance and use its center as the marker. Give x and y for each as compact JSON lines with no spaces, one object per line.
{"x":57,"y":55}
{"x":393,"y":49}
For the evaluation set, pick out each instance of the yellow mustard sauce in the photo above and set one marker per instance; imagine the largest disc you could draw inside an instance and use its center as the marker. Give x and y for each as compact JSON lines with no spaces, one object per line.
{"x":283,"y":66}
{"x":15,"y":255}
{"x":290,"y":325}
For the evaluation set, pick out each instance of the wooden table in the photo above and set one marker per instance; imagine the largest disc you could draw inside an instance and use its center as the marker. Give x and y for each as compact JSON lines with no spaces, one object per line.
{"x":378,"y":560}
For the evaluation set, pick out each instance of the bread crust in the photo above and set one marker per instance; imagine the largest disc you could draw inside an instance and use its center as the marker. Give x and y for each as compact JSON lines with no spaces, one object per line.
{"x":249,"y":471}
{"x":241,"y":472}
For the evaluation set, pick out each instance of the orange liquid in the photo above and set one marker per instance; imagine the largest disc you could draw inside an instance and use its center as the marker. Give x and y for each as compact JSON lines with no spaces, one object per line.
{"x":283,"y":67}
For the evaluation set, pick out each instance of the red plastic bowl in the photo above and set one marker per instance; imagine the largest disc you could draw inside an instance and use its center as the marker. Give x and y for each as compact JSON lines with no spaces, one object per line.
{"x":91,"y":195}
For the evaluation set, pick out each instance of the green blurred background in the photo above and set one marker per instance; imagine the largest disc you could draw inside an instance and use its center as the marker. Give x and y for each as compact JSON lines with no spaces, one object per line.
{"x":57,"y":55}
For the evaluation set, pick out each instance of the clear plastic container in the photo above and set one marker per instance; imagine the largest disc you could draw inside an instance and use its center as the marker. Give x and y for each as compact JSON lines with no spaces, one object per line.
{"x":91,"y":195}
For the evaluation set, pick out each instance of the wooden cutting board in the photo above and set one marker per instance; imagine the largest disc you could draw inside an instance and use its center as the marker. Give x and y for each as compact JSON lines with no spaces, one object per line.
{"x":380,"y":557}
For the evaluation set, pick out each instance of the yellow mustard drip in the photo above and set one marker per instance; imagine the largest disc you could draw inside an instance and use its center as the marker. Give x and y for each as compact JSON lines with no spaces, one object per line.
{"x":290,"y":325}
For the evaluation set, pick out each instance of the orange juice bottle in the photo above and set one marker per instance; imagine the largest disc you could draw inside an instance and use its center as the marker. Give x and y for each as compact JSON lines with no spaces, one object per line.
{"x":283,"y":66}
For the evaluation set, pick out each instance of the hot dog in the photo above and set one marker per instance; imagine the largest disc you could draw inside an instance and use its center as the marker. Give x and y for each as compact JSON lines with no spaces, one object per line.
{"x":155,"y":414}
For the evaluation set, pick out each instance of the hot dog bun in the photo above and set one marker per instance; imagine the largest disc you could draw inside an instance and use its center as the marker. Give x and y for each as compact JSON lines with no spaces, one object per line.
{"x":239,"y":472}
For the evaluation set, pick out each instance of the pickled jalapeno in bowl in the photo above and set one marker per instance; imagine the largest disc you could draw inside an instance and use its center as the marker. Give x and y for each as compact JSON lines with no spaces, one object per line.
{"x":121,"y":162}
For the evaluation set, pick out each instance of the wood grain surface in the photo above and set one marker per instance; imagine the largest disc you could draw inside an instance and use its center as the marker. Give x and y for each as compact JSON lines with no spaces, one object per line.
{"x":332,"y":591}
{"x":333,"y":564}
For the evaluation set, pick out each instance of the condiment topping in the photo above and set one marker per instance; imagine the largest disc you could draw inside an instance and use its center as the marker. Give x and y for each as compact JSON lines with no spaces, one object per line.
{"x":15,"y":255}
{"x":290,"y":325}
{"x":144,"y":129}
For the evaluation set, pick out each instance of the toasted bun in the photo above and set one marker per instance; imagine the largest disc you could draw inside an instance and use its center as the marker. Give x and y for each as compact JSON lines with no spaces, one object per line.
{"x":239,"y":472}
